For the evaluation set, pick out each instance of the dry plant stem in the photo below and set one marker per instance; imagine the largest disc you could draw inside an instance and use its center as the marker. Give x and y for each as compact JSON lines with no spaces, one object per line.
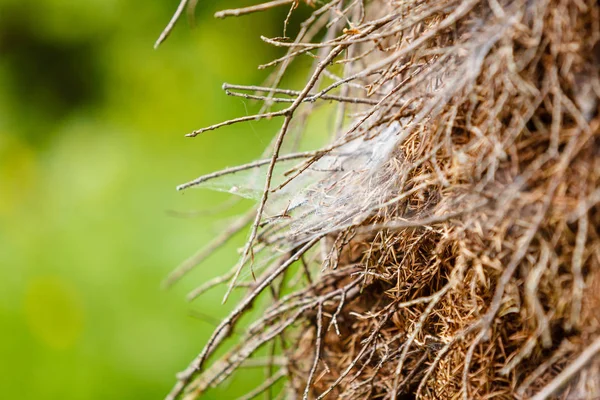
{"x":224,"y":329}
{"x":332,"y":31}
{"x":570,"y":371}
{"x":252,"y":9}
{"x":238,"y":120}
{"x":205,"y":318}
{"x":565,"y":348}
{"x":276,"y":293}
{"x":260,"y":362}
{"x":306,"y":271}
{"x":203,"y":253}
{"x":577,"y":262}
{"x":216,"y":281}
{"x":337,"y":312}
{"x":584,"y":207}
{"x":167,"y":31}
{"x":287,"y":18}
{"x":365,"y":364}
{"x":525,"y":351}
{"x":434,"y":219}
{"x":244,"y":167}
{"x":266,"y":385}
{"x":194,"y":294}
{"x":313,"y":369}
{"x":414,"y":371}
{"x":191,"y":8}
{"x":341,"y":111}
{"x":309,"y":98}
{"x":299,"y":171}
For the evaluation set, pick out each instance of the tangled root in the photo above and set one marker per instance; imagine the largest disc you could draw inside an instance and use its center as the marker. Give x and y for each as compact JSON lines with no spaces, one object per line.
{"x":445,"y":243}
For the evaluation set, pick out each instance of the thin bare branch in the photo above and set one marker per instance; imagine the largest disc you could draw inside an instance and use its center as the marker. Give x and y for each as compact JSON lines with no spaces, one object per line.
{"x":167,"y":31}
{"x":252,"y":9}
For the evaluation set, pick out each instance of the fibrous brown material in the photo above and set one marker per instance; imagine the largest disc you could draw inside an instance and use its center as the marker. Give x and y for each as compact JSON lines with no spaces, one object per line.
{"x":449,"y":233}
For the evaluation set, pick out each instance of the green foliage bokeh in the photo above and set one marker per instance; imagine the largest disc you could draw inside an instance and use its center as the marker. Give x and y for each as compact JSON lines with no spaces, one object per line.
{"x":91,"y":148}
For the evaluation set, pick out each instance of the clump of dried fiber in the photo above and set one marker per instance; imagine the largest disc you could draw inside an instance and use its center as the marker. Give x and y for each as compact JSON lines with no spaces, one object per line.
{"x":446,"y":243}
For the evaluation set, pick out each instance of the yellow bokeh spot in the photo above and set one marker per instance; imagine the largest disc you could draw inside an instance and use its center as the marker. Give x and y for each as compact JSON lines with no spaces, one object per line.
{"x":54,"y":312}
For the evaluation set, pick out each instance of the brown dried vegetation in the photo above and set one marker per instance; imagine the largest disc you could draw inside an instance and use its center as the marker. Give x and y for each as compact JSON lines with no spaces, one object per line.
{"x":449,"y":233}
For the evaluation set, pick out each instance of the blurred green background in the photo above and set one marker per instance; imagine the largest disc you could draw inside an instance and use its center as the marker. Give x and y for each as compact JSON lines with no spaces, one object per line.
{"x":92,"y":124}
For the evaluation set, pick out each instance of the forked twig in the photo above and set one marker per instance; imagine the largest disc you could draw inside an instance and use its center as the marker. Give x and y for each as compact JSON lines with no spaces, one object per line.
{"x":252,"y":9}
